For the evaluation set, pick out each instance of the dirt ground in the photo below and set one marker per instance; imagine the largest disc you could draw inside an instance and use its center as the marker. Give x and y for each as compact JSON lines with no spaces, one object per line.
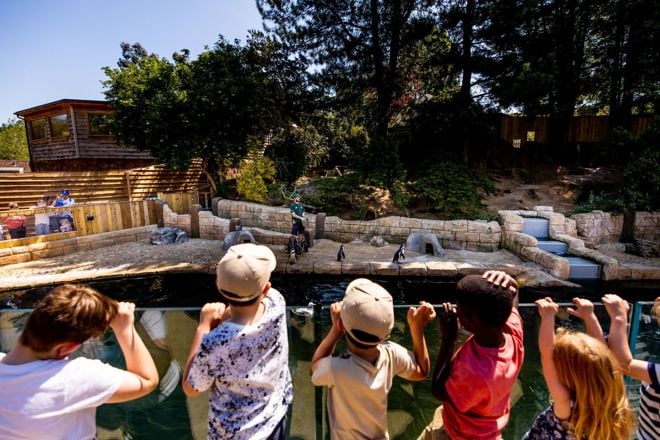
{"x":558,"y":187}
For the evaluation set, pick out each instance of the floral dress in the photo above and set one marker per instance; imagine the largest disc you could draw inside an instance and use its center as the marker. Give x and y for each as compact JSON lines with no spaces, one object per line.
{"x":548,"y":427}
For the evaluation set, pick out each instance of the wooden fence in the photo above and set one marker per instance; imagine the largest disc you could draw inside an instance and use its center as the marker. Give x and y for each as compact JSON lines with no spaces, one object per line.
{"x":91,"y":218}
{"x":102,"y":186}
{"x":582,"y":128}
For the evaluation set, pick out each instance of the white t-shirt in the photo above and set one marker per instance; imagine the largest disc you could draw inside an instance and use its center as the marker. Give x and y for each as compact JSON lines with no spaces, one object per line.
{"x":54,"y":399}
{"x":357,"y":390}
{"x":247,"y":370}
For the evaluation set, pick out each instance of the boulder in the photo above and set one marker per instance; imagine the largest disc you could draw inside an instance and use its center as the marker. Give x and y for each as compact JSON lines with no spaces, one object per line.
{"x":236,"y":237}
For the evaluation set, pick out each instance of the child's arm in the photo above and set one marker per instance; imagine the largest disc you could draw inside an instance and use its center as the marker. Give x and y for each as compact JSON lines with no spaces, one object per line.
{"x":561,"y":397}
{"x":618,"y":308}
{"x":141,"y":375}
{"x":505,"y":281}
{"x":327,"y":345}
{"x":448,"y":335}
{"x":418,"y":318}
{"x":584,"y":309}
{"x":212,"y":315}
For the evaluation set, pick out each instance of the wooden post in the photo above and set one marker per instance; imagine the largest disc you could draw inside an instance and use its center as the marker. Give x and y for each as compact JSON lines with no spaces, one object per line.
{"x":194,"y":220}
{"x":128,"y":185}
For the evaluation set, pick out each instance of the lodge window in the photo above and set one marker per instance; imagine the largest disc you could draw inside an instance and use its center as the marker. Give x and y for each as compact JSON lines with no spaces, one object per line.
{"x":59,"y":125}
{"x":99,"y":124}
{"x":38,"y":128}
{"x":531,"y":136}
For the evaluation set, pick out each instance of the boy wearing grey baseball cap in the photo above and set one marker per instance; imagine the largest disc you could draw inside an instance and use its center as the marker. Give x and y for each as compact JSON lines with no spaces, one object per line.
{"x":359,"y":380}
{"x":241,"y":352}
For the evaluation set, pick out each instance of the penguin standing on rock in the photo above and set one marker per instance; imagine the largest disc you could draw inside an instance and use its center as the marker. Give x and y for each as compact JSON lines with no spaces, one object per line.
{"x":341,"y":255}
{"x":400,"y":254}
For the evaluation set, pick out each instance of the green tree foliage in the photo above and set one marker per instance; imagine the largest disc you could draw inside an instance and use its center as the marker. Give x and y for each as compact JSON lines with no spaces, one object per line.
{"x":13,"y":142}
{"x":215,"y":107}
{"x":252,"y":176}
{"x":355,"y":46}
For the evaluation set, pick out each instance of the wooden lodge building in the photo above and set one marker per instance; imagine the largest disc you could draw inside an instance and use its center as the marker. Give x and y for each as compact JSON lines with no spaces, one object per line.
{"x":73,"y":135}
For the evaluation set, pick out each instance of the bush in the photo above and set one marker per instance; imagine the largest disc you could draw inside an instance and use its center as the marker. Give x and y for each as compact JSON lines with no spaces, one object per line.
{"x":330,"y":195}
{"x":601,"y":201}
{"x":450,"y":188}
{"x":250,"y":181}
{"x":641,"y":179}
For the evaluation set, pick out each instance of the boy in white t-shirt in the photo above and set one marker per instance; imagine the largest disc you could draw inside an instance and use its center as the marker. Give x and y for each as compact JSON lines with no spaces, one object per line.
{"x":241,"y":351}
{"x":46,"y":395}
{"x":360,"y":379}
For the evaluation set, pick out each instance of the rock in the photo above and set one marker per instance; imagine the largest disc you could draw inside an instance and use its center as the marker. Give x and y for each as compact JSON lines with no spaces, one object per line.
{"x":236,"y":237}
{"x":378,"y":241}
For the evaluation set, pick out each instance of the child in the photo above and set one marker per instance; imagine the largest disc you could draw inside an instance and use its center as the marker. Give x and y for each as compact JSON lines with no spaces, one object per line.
{"x":360,"y":379}
{"x":41,"y":219}
{"x":647,"y":372}
{"x":47,"y":395}
{"x":241,"y":351}
{"x":15,"y":224}
{"x":475,"y":383}
{"x":586,"y":386}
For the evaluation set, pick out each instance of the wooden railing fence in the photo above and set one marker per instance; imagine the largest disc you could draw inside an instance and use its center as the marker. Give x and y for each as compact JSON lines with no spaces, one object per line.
{"x":90,"y":218}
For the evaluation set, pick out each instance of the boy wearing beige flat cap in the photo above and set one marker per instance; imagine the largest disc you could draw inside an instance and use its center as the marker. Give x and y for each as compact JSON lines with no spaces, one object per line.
{"x":241,"y":350}
{"x":360,"y":379}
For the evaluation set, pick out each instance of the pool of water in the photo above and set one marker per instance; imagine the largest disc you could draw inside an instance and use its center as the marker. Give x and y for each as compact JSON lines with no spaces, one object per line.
{"x":194,"y":290}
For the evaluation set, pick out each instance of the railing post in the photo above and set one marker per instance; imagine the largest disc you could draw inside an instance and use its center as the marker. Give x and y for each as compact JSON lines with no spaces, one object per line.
{"x":634,"y":332}
{"x":318,"y":391}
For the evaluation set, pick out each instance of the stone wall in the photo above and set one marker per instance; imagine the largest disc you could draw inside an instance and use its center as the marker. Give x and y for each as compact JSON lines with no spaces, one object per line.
{"x":255,"y":215}
{"x":472,"y":235}
{"x":174,"y":220}
{"x":647,"y":225}
{"x":598,"y":227}
{"x":55,"y":245}
{"x":453,"y":234}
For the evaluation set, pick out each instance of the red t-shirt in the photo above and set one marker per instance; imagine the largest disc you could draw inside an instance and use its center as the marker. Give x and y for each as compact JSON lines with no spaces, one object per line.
{"x":14,"y":221}
{"x":480,"y":383}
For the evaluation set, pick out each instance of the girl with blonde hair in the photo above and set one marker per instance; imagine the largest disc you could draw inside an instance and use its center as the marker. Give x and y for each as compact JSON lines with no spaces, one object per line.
{"x":584,"y":380}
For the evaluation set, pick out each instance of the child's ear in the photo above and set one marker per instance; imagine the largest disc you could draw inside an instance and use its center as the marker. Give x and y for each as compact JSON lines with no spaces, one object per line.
{"x":266,"y":288}
{"x":63,"y":349}
{"x":340,"y":324}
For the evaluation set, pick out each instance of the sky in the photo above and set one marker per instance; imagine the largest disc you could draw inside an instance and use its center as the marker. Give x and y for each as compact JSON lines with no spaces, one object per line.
{"x":55,"y":49}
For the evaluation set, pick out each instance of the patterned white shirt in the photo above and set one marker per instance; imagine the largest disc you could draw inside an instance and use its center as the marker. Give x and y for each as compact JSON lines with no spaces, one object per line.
{"x":246,"y":368}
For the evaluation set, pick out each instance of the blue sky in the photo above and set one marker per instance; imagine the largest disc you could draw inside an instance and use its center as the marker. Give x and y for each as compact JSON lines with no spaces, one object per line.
{"x":55,"y":49}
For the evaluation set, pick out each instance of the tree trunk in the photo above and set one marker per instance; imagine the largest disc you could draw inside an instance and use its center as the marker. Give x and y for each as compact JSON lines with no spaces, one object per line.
{"x":466,"y":82}
{"x":628,"y":231}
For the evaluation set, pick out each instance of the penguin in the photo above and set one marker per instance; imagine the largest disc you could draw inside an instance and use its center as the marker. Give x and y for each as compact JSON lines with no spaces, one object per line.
{"x":400,"y":254}
{"x":341,"y":255}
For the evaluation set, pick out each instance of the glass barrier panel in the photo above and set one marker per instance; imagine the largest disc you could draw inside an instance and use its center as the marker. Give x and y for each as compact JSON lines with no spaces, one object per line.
{"x":168,"y":414}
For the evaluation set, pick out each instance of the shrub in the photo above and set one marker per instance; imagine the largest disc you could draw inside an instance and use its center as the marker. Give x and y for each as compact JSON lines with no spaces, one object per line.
{"x":602,"y":201}
{"x":641,"y":179}
{"x":250,"y":181}
{"x":330,"y":195}
{"x":449,"y":187}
